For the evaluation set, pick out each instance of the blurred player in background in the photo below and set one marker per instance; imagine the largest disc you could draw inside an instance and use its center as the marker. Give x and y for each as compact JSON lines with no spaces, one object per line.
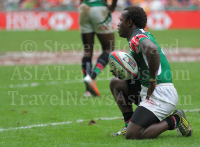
{"x":95,"y":18}
{"x":158,"y":95}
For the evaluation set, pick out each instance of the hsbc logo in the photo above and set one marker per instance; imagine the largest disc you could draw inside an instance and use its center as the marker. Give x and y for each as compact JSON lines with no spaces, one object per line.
{"x":159,"y":21}
{"x":38,"y":21}
{"x":115,"y":18}
{"x":60,"y":21}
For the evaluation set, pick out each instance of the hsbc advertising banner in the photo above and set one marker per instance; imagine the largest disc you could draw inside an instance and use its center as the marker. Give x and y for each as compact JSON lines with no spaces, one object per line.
{"x":39,"y":20}
{"x":174,"y":20}
{"x":65,"y":20}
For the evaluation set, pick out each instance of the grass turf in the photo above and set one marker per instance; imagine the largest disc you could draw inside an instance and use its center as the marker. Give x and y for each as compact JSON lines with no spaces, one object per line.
{"x":42,"y":96}
{"x":64,"y":41}
{"x":55,"y":97}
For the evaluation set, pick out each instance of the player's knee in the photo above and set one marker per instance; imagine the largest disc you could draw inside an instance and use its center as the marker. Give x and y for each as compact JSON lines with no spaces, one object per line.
{"x":149,"y":134}
{"x":128,"y":136}
{"x":132,"y":136}
{"x":133,"y":131}
{"x":143,"y":136}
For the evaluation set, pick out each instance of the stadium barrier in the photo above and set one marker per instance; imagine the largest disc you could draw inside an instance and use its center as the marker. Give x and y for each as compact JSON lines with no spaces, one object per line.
{"x":64,"y":20}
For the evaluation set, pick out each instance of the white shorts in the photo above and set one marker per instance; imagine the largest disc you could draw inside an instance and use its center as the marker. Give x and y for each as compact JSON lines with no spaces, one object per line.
{"x":162,"y":102}
{"x":95,"y":19}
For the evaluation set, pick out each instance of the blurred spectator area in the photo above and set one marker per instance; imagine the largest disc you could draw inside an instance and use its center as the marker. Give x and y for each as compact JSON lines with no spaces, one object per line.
{"x":148,"y":5}
{"x":17,"y":5}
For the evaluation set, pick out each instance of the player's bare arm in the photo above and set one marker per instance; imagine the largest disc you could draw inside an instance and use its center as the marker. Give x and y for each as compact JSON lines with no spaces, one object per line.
{"x":153,"y":58}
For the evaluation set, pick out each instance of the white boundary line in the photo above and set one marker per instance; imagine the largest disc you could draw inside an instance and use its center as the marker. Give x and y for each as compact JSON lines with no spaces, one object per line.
{"x":69,"y":122}
{"x":46,"y":84}
{"x":192,"y":110}
{"x":56,"y":124}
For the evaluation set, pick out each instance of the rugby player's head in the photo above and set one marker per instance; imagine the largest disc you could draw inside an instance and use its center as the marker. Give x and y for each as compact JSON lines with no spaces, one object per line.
{"x":132,"y":18}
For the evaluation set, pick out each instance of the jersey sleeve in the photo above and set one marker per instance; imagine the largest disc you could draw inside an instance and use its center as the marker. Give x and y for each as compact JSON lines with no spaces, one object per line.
{"x":135,"y":42}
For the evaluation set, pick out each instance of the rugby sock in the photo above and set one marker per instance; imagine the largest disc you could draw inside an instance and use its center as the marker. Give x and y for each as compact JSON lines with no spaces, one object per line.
{"x":172,"y":121}
{"x":101,"y":63}
{"x":127,"y":117}
{"x":86,"y":67}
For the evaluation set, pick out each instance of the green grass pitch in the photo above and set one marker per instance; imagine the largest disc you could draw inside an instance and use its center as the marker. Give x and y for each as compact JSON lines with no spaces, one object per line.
{"x":41,"y":107}
{"x":71,"y":40}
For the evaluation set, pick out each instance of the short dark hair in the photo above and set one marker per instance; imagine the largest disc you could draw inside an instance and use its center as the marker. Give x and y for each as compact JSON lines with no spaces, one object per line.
{"x":137,"y":15}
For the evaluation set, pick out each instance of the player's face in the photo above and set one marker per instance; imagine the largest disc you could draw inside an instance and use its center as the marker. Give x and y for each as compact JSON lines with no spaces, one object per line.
{"x":123,"y":25}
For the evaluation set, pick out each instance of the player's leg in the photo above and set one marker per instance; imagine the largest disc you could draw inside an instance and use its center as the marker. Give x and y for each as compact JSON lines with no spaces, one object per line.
{"x":145,"y":124}
{"x":88,"y":41}
{"x":87,"y":35}
{"x":147,"y":121}
{"x":150,"y":113}
{"x":107,"y":43}
{"x":100,"y":18}
{"x":125,"y":93}
{"x":105,"y":33}
{"x":119,"y":89}
{"x":155,"y":130}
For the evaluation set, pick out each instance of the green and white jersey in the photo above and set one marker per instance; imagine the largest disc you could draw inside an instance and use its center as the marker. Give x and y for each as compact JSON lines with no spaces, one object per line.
{"x":93,"y":3}
{"x":164,"y":72}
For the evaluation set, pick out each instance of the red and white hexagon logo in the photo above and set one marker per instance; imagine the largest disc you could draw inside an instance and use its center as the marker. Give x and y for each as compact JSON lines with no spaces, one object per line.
{"x":115,"y":19}
{"x":60,"y":21}
{"x":159,"y":21}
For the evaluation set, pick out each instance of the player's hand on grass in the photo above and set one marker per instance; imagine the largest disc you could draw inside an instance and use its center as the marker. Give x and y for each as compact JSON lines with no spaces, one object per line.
{"x":150,"y":90}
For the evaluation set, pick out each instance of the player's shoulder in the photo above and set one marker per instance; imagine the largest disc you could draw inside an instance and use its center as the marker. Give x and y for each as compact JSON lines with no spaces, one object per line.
{"x":136,"y":37}
{"x":139,"y":33}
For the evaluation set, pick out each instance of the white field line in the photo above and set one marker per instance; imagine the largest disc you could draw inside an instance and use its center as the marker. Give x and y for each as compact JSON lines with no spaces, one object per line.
{"x":46,"y":84}
{"x":192,"y":110}
{"x":36,"y":126}
{"x":69,"y":122}
{"x":55,"y":124}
